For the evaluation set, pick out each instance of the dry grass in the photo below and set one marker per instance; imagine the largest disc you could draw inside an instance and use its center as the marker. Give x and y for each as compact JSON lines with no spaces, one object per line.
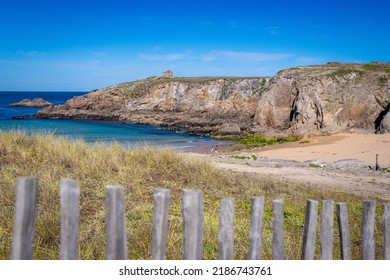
{"x":141,"y":171}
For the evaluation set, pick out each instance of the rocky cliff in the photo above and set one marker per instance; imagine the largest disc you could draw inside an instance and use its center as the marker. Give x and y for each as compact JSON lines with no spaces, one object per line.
{"x":321,"y":99}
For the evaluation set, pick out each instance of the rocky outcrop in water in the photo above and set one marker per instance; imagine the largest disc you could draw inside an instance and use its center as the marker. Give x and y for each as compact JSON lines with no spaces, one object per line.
{"x":36,"y":102}
{"x":321,"y":99}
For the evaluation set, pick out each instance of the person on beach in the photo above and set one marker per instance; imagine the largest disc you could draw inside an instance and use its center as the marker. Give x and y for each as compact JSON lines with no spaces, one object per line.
{"x":214,"y":149}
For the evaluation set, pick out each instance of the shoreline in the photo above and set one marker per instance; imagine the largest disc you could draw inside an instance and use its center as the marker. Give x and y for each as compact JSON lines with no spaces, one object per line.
{"x":341,"y":162}
{"x":341,"y":146}
{"x":205,"y":148}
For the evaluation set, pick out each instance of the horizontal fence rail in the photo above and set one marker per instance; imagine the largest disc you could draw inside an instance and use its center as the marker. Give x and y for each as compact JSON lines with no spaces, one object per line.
{"x":192,"y":211}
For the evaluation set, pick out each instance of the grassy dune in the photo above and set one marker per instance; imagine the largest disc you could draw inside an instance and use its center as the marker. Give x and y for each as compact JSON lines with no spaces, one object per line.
{"x":141,"y":171}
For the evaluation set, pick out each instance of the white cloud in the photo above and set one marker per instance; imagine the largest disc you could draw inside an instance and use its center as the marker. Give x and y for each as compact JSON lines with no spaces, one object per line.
{"x":244,"y":56}
{"x":272,"y":30}
{"x":99,"y":53}
{"x":28,"y":53}
{"x":164,"y":57}
{"x":209,"y":56}
{"x":215,"y":55}
{"x":205,"y":23}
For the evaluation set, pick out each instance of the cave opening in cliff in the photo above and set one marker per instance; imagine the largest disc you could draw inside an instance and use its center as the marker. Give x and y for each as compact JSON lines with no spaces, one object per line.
{"x":380,"y":117}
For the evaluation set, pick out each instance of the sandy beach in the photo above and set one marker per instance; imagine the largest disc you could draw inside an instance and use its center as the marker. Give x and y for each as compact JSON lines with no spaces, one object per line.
{"x":332,"y":148}
{"x":347,"y":163}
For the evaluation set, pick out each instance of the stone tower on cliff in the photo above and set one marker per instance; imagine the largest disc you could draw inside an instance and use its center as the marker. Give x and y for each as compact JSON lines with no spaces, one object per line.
{"x":167,"y":74}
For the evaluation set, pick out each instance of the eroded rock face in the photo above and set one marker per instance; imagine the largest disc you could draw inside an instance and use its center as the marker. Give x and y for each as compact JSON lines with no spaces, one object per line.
{"x":322,"y":99}
{"x":229,"y":129}
{"x":385,"y":124}
{"x":201,"y":105}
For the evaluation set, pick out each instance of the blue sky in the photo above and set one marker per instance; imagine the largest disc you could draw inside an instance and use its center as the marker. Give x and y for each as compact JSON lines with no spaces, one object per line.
{"x":83,"y":45}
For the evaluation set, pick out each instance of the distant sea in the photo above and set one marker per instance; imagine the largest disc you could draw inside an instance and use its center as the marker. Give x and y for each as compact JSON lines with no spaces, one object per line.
{"x":92,"y":131}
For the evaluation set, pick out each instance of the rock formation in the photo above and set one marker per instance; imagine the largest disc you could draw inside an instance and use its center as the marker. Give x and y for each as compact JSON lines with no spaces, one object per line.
{"x":321,"y":99}
{"x":36,"y":102}
{"x":384,"y":126}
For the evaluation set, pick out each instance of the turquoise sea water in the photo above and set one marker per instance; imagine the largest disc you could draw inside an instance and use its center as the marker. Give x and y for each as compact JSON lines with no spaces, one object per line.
{"x":92,"y":131}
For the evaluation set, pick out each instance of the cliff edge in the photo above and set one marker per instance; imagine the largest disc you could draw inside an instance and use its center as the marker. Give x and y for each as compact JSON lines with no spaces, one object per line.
{"x":315,"y":100}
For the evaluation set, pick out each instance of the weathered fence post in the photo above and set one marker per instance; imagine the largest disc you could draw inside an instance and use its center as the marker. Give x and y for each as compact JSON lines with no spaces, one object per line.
{"x":25,"y":218}
{"x":386,"y":231}
{"x":327,"y":230}
{"x":368,"y":220}
{"x":257,"y":212}
{"x":116,"y":245}
{"x":226,"y":230}
{"x":193,"y":224}
{"x":309,"y":230}
{"x":377,"y":166}
{"x":70,"y":216}
{"x":160,"y":223}
{"x":278,"y":250}
{"x":342,"y":215}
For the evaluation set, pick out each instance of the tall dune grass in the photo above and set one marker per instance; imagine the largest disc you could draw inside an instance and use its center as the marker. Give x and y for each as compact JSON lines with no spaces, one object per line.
{"x":140,"y":171}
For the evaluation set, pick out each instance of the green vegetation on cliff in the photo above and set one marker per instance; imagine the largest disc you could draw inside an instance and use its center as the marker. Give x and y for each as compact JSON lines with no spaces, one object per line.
{"x":256,"y":141}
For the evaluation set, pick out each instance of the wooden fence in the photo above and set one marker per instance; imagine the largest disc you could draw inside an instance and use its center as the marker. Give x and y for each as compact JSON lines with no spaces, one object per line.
{"x":192,"y":209}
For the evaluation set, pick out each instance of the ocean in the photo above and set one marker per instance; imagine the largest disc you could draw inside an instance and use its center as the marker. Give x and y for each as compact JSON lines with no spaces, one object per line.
{"x":92,"y":131}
